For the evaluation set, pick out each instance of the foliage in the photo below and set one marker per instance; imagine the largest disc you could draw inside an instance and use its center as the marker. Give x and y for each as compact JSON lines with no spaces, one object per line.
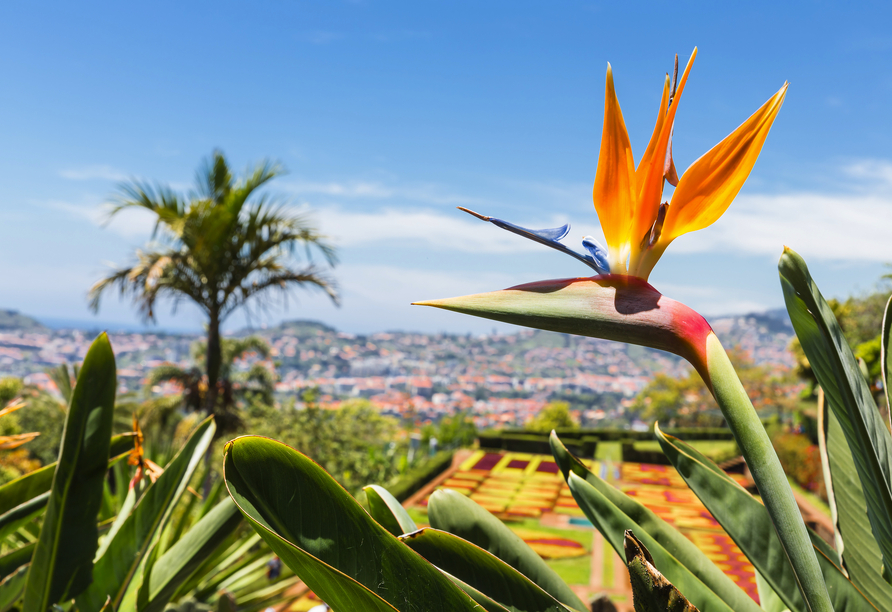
{"x":223,"y":247}
{"x":351,"y":442}
{"x":14,"y":460}
{"x":235,"y":387}
{"x":686,"y":402}
{"x":46,"y":414}
{"x":161,"y":543}
{"x":802,"y":461}
{"x":453,"y":431}
{"x":555,"y":415}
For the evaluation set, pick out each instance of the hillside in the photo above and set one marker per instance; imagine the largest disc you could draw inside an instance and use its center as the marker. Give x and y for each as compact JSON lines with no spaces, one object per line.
{"x":13,"y":319}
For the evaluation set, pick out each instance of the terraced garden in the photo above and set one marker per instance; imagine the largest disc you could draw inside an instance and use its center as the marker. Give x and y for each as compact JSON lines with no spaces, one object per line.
{"x":529,"y":493}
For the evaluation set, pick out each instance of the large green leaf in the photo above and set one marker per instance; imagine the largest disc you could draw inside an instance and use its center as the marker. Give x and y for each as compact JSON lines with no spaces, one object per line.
{"x":21,"y":514}
{"x":886,"y":356}
{"x":221,"y":564}
{"x":747,"y":522}
{"x":768,"y":599}
{"x":15,"y":559}
{"x":453,"y":512}
{"x":482,"y":570}
{"x":846,"y":390}
{"x":184,"y":557}
{"x":860,"y":553}
{"x":12,"y":587}
{"x":611,"y":522}
{"x":669,"y":538}
{"x":488,"y":603}
{"x":326,"y":537}
{"x":118,"y":567}
{"x":63,"y":559}
{"x":38,"y":482}
{"x":388,"y":511}
{"x":650,"y":589}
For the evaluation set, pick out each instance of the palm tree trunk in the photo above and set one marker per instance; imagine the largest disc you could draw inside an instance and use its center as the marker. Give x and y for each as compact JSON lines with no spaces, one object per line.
{"x":214,"y":360}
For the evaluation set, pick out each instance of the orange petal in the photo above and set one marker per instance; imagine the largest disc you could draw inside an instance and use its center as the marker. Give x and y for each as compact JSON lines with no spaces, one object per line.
{"x":613,"y":192}
{"x":707,"y":188}
{"x":643,"y":165}
{"x":652,"y":188}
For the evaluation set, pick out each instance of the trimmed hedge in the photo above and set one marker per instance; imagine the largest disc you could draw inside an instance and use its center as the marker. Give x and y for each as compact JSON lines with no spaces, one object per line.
{"x":584,"y":442}
{"x":420,"y":475}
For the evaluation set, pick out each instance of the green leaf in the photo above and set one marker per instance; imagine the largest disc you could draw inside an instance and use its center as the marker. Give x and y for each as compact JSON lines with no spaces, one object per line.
{"x":325,"y":536}
{"x":482,"y":571}
{"x":218,"y":566}
{"x":669,"y":538}
{"x":63,"y":559}
{"x":611,"y":522}
{"x":118,"y":567}
{"x":15,"y":559}
{"x":389,"y":512}
{"x":886,"y":356}
{"x":38,"y":482}
{"x":183,"y":558}
{"x":768,"y":599}
{"x":847,"y":392}
{"x":650,"y":590}
{"x":12,"y":588}
{"x":747,"y":522}
{"x":453,"y":512}
{"x":860,"y":553}
{"x":18,"y":516}
{"x":487,"y":603}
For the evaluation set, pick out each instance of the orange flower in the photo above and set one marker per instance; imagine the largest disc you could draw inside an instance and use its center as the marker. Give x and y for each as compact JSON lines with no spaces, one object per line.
{"x":638,"y":225}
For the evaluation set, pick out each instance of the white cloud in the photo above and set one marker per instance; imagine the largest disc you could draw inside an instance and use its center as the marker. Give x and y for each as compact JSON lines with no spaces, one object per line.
{"x":130,"y":223}
{"x":842,"y":227}
{"x":95,"y":172}
{"x":379,"y":297}
{"x":454,"y":230}
{"x":427,"y":193}
{"x":848,"y":226}
{"x":877,"y":170}
{"x":712,"y":300}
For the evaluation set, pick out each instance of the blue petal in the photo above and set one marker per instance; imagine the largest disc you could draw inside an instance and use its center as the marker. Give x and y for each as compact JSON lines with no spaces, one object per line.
{"x":548,"y":237}
{"x":598,"y":253}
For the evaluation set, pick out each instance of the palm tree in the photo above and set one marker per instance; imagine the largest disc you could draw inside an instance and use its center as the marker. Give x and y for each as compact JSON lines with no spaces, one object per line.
{"x":217,"y":249}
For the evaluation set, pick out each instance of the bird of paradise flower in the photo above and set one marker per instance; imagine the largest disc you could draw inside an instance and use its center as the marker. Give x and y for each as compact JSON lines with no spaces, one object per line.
{"x":638,"y":224}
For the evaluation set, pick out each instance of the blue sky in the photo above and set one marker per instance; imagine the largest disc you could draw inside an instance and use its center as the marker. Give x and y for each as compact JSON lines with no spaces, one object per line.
{"x":389,"y":114}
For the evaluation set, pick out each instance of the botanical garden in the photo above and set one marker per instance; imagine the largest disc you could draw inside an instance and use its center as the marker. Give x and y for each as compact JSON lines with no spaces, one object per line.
{"x":228,"y":496}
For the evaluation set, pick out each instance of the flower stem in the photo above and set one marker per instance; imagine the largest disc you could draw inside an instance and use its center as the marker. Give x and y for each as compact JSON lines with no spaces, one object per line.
{"x":767,"y":472}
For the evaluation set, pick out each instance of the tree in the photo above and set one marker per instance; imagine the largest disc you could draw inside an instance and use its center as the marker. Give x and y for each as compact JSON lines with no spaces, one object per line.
{"x":555,"y":415}
{"x":222,"y":247}
{"x":234,"y":386}
{"x":686,"y":402}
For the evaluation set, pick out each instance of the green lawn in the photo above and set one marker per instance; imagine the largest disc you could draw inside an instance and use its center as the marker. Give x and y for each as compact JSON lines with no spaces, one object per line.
{"x":609,"y":450}
{"x":572,"y":571}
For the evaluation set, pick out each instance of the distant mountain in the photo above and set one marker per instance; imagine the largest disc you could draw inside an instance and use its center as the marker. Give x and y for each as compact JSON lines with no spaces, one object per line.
{"x":765,"y":336}
{"x":13,"y":319}
{"x":301,"y":328}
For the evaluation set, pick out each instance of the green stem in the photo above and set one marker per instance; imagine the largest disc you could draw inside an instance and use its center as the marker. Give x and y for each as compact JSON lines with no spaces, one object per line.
{"x":767,"y":472}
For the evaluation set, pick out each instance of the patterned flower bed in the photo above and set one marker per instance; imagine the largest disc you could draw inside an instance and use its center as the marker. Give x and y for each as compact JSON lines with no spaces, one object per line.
{"x":518,"y":486}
